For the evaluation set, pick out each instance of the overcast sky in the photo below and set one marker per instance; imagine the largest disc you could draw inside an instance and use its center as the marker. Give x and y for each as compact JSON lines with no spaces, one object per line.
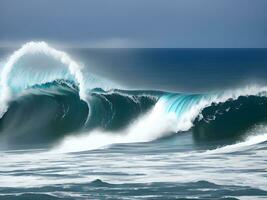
{"x":135,"y":23}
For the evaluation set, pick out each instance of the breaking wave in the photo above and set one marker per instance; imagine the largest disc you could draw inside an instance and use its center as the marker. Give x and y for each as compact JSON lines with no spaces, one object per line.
{"x":46,"y":98}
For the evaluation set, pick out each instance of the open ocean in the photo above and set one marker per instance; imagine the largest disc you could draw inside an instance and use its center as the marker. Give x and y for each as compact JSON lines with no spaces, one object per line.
{"x":132,"y":123}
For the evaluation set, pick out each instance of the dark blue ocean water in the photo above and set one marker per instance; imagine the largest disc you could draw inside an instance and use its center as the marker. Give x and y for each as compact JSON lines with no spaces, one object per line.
{"x":177,"y":69}
{"x":129,"y":137}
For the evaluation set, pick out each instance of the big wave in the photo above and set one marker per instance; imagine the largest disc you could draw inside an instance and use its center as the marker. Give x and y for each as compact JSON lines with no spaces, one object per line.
{"x":46,"y":98}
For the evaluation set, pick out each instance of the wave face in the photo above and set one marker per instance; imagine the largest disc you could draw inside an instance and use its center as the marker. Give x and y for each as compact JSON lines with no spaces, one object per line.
{"x":116,"y":109}
{"x":44,"y":114}
{"x":230,"y":119}
{"x":48,"y":112}
{"x":45,"y":96}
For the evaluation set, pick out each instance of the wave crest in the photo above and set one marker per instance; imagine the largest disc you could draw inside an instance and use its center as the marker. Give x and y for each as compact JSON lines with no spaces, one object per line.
{"x":60,"y":100}
{"x":10,"y":72}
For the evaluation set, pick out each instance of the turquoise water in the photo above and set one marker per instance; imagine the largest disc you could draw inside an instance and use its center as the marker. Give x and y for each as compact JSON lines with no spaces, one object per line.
{"x":133,"y":123}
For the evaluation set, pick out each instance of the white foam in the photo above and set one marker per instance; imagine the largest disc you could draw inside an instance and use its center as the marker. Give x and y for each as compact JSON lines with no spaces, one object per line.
{"x":184,"y":121}
{"x":250,"y":141}
{"x":155,"y":124}
{"x":149,"y":127}
{"x":37,"y":48}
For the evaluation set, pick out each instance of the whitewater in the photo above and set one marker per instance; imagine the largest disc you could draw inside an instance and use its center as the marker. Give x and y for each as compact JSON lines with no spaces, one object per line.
{"x":73,"y":131}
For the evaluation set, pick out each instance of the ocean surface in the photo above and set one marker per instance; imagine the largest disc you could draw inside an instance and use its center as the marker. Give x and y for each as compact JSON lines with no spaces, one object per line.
{"x":132,"y":123}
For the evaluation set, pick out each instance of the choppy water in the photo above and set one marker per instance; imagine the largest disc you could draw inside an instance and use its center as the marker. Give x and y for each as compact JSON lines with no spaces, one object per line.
{"x":155,"y":170}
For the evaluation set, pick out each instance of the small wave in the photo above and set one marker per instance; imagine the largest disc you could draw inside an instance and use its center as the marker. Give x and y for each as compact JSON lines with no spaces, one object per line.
{"x":256,"y":136}
{"x":250,"y":141}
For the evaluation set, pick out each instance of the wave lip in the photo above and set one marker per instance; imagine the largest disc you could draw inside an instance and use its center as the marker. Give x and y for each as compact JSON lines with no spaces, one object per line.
{"x":37,"y":48}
